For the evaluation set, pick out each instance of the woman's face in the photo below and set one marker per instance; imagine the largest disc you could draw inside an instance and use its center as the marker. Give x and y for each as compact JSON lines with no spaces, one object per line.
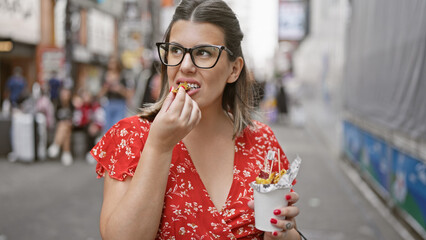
{"x":211,"y":82}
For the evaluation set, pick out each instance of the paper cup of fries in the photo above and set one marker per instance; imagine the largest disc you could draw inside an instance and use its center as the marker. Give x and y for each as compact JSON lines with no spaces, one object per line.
{"x":269,"y":191}
{"x":264,"y":205}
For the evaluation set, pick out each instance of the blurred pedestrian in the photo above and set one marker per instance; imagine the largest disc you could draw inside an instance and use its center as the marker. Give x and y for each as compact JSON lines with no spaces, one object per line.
{"x":116,"y":92}
{"x":181,"y":169}
{"x":282,"y":102}
{"x":15,"y":87}
{"x":54,"y":87}
{"x":153,"y":85}
{"x":44,"y":106}
{"x":88,"y":117}
{"x":62,"y":139}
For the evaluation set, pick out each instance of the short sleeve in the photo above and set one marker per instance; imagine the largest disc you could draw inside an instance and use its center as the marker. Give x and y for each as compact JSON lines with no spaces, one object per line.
{"x":118,"y":151}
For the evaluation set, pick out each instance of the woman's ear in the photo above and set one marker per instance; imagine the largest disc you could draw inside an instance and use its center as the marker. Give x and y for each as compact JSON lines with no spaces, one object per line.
{"x":237,"y":66}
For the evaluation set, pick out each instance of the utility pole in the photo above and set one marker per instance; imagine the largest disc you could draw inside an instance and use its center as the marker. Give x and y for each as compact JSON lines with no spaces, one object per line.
{"x":68,"y":80}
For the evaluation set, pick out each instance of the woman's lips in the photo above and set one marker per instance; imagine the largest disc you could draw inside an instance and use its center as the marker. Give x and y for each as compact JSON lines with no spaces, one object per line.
{"x":193,"y":91}
{"x":190,"y":88}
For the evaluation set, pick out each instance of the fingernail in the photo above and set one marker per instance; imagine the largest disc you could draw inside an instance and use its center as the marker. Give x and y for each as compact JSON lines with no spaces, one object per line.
{"x":274,"y":221}
{"x":275,"y":233}
{"x":277,"y":212}
{"x":171,"y":88}
{"x":288,"y":197}
{"x":294,"y":182}
{"x":291,"y":190}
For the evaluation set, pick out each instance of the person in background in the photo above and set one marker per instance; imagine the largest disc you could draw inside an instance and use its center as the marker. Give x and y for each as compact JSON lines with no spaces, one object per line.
{"x":15,"y":87}
{"x":181,"y":168}
{"x":45,"y":106}
{"x":153,"y":85}
{"x":116,"y":92}
{"x":62,"y":138}
{"x":54,"y":88}
{"x":88,"y":117}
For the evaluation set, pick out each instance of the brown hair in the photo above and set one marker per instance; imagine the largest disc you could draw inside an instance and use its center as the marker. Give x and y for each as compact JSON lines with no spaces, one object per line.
{"x":238,"y":96}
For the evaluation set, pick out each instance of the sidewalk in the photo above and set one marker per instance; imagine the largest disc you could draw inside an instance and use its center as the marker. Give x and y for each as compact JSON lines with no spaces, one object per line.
{"x":46,"y":200}
{"x":331,"y":206}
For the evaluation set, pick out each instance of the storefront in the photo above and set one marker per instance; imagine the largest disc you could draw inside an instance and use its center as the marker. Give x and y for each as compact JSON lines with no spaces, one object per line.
{"x":24,"y":34}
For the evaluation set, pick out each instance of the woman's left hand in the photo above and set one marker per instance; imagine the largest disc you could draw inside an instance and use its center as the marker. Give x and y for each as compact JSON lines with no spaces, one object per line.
{"x":289,"y":212}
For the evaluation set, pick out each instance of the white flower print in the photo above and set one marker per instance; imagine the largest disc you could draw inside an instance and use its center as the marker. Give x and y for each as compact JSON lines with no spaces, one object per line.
{"x":246,"y":173}
{"x":187,"y":211}
{"x":177,"y":212}
{"x":228,"y":212}
{"x":211,"y":210}
{"x":102,"y":154}
{"x":182,"y":231}
{"x":180,"y":169}
{"x":190,"y":187}
{"x":214,"y":225}
{"x":123,"y":143}
{"x":192,"y":225}
{"x":123,"y":132}
{"x":128,"y":151}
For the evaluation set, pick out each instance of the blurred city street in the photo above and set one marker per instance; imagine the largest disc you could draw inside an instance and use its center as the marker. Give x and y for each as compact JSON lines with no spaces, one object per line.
{"x":342,"y":83}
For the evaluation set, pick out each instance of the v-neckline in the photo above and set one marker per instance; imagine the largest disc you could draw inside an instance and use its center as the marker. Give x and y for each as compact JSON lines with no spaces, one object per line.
{"x":224,"y":206}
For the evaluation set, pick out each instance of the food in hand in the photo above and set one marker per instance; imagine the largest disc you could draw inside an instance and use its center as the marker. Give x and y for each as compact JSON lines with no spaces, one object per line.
{"x":184,"y":85}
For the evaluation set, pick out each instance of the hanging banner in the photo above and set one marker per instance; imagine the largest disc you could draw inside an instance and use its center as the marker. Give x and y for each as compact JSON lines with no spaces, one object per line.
{"x":293,"y":20}
{"x":20,"y":20}
{"x":60,"y":22}
{"x":50,"y":60}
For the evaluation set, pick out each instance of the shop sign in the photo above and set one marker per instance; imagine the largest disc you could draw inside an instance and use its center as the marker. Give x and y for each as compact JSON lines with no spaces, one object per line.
{"x":293,"y":20}
{"x":20,"y":20}
{"x":60,"y":7}
{"x":6,"y":45}
{"x":100,"y":32}
{"x":51,"y":59}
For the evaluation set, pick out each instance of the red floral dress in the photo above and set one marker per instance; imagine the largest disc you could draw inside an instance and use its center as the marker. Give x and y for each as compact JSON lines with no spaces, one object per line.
{"x":188,"y":211}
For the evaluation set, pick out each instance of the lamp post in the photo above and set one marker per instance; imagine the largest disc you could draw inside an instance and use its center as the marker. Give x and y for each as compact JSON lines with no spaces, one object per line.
{"x":68,"y":80}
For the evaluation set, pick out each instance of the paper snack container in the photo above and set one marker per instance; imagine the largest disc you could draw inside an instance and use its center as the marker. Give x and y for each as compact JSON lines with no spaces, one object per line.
{"x":264,"y":206}
{"x":268,"y":197}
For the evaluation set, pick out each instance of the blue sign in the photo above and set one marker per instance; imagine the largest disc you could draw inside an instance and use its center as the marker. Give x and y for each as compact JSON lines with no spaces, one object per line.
{"x":408,"y":185}
{"x":376,"y":160}
{"x":352,"y":141}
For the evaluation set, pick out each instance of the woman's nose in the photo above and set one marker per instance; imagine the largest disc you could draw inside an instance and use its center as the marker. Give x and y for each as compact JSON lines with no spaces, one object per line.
{"x":187,"y":64}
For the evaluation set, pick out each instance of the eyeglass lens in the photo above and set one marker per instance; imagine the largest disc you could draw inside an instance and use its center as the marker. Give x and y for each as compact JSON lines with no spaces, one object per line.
{"x":202,"y":56}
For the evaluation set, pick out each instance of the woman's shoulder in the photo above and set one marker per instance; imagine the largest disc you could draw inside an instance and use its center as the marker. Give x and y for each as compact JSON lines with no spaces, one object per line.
{"x":129,"y":127}
{"x":259,"y":128}
{"x":135,"y":120}
{"x":132,"y":123}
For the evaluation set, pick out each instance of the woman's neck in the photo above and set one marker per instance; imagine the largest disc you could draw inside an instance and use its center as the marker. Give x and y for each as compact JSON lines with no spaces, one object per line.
{"x":214,"y":122}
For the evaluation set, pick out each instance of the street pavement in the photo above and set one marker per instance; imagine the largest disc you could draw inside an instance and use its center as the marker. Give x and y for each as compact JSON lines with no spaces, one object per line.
{"x":48,"y":201}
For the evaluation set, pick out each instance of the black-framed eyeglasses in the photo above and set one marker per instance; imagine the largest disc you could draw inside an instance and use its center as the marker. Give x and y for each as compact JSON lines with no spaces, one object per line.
{"x":203,"y":56}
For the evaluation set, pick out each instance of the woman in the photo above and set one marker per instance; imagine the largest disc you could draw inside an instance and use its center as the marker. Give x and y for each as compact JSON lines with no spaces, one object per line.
{"x":189,"y":177}
{"x":62,"y":139}
{"x":116,"y":93}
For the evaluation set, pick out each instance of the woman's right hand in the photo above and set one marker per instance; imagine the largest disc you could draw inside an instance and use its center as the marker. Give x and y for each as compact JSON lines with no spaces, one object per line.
{"x":177,"y":117}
